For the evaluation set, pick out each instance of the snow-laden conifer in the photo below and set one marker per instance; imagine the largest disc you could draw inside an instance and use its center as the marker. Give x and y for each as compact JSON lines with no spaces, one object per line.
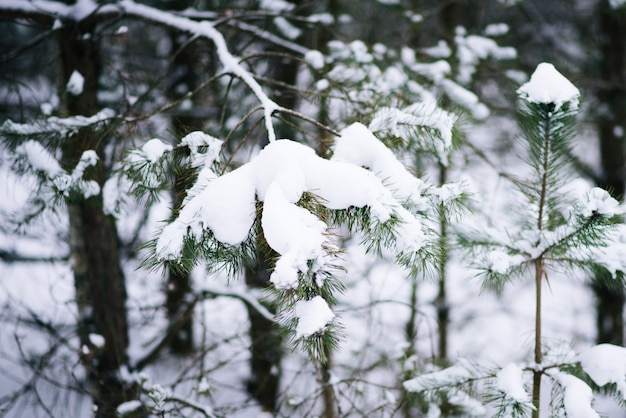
{"x":551,"y":230}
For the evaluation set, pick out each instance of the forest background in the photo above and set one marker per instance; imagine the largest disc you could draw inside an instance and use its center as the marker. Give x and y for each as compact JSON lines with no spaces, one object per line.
{"x":96,"y":320}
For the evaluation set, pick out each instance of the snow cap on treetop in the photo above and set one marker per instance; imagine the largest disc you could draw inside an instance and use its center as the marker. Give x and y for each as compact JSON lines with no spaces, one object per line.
{"x":547,"y":85}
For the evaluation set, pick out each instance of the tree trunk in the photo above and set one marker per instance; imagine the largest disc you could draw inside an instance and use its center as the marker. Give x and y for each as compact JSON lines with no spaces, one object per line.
{"x":611,"y":125}
{"x":98,"y":278}
{"x":178,"y":286}
{"x":266,"y":343}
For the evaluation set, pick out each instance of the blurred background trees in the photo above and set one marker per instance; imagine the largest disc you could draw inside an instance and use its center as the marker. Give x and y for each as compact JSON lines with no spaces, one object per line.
{"x":81,"y":321}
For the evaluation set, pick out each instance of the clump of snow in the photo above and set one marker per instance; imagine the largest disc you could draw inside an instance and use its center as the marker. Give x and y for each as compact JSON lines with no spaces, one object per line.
{"x":450,"y":376}
{"x":496,"y":29}
{"x":577,"y":397}
{"x":357,"y":145}
{"x":129,"y":407}
{"x":46,"y":108}
{"x":465,"y":98}
{"x":154,"y":149}
{"x":616,"y":4}
{"x":276,"y":5}
{"x":599,"y":202}
{"x":75,"y":83}
{"x":97,"y":340}
{"x":322,"y":84}
{"x":441,"y":50}
{"x":407,"y":55}
{"x":509,"y":381}
{"x":435,"y":71}
{"x":295,"y":233}
{"x":286,"y":28}
{"x":606,"y":363}
{"x":313,"y":316}
{"x":473,"y":48}
{"x":39,"y":158}
{"x":212,"y":147}
{"x":547,"y":86}
{"x":278,"y":176}
{"x":452,"y":191}
{"x":204,"y":387}
{"x":226,"y":206}
{"x":315,"y":59}
{"x":324,"y":18}
{"x":500,"y":262}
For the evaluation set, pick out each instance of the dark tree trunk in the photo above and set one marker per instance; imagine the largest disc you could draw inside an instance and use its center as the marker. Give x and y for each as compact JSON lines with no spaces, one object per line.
{"x":98,"y":278}
{"x":184,"y":71}
{"x":266,"y":343}
{"x":611,"y":126}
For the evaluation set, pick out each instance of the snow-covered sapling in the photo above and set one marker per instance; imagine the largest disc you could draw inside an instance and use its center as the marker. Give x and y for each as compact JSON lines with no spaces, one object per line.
{"x":552,"y":230}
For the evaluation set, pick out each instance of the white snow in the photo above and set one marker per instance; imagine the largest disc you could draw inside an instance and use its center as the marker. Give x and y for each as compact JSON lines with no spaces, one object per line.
{"x":509,"y":381}
{"x":128,"y":407}
{"x":606,"y":363}
{"x":226,"y":206}
{"x":500,"y":262}
{"x":75,"y":83}
{"x":357,"y":145}
{"x":441,"y":50}
{"x":616,"y":4}
{"x":497,"y":29}
{"x":210,"y":146}
{"x":97,"y":340}
{"x":276,"y":6}
{"x":599,"y":202}
{"x":278,"y":176}
{"x":295,"y":233}
{"x":315,"y":59}
{"x":62,"y":126}
{"x":39,"y":158}
{"x":446,"y":377}
{"x":547,"y":85}
{"x":404,"y":122}
{"x":286,"y":28}
{"x":577,"y":397}
{"x":313,"y":316}
{"x":154,"y":149}
{"x":465,"y":98}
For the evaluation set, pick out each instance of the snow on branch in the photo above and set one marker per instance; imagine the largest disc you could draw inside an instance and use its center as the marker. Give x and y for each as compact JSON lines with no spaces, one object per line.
{"x":547,"y":85}
{"x":35,"y":157}
{"x":229,"y":61}
{"x":55,"y":125}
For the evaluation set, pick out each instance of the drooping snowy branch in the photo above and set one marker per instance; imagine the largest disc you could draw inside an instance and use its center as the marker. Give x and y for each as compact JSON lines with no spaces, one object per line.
{"x":207,"y":30}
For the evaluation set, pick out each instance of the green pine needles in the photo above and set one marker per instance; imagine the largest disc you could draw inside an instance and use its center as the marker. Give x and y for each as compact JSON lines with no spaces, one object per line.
{"x":552,"y":231}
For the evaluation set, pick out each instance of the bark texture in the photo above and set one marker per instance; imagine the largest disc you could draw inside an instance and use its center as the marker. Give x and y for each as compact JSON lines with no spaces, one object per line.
{"x":611,"y":124}
{"x":98,"y":278}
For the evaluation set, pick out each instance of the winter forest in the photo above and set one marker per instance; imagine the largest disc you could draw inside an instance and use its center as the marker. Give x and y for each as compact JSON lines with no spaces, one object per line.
{"x":272,"y":208}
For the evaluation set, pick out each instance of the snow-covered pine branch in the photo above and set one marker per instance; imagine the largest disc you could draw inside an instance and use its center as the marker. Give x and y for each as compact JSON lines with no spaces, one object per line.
{"x":304,"y":197}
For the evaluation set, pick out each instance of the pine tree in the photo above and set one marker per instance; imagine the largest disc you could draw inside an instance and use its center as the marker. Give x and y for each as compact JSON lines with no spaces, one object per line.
{"x":552,"y":231}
